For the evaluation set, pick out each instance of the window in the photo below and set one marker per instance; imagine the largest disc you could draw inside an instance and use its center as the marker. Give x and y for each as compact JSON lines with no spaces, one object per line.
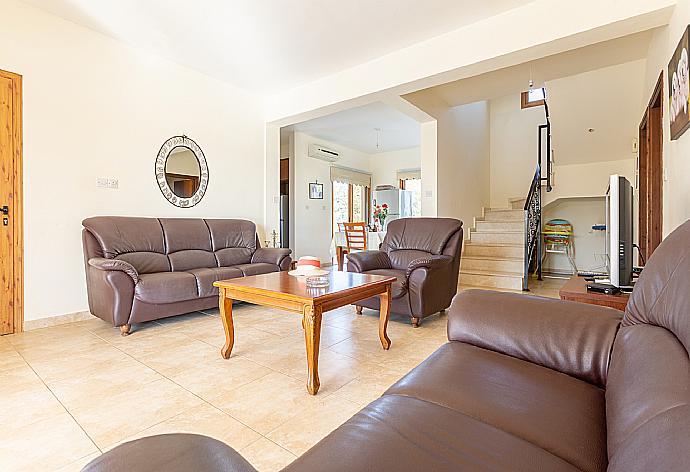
{"x":341,"y":210}
{"x":534,"y":97}
{"x":415,"y":185}
{"x":351,"y":196}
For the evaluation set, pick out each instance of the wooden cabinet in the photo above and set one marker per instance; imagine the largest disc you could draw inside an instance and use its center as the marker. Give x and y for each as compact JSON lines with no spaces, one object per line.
{"x":575,"y":290}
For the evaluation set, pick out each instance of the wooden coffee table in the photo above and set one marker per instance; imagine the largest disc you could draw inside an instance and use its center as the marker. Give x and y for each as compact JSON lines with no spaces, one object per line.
{"x":280,"y":290}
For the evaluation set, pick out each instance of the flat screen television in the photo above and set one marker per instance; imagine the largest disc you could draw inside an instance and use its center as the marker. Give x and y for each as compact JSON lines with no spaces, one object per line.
{"x":619,"y":224}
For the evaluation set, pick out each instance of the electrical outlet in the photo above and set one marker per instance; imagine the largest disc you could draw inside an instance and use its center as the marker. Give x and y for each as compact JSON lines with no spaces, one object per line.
{"x":107,"y":182}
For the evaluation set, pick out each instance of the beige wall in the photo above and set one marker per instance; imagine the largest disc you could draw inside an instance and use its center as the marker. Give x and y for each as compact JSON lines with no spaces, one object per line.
{"x":463,"y":161}
{"x":676,"y":153}
{"x":313,"y":230}
{"x":385,"y":165}
{"x":96,"y":108}
{"x":514,"y":148}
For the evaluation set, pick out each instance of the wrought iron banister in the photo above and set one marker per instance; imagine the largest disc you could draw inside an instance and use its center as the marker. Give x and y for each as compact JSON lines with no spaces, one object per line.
{"x":533,"y":227}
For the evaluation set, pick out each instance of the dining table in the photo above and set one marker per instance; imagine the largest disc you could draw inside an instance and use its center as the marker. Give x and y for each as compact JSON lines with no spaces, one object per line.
{"x":339,"y":244}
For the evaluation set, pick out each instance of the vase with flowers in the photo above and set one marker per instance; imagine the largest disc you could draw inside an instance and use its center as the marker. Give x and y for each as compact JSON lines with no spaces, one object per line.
{"x":380,"y":214}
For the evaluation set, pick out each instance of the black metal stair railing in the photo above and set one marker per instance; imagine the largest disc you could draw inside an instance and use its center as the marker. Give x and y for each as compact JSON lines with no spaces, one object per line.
{"x":532,"y":227}
{"x":533,"y":238}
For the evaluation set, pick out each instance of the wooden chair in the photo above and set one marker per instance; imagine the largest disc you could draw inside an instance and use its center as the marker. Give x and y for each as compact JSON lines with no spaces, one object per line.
{"x":355,"y":238}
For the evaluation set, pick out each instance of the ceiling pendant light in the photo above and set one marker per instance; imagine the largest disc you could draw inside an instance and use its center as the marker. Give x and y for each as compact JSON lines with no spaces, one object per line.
{"x":378,"y":138}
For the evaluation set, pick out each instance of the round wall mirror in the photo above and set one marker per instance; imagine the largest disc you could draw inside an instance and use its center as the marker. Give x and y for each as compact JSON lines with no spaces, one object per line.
{"x":181,"y":171}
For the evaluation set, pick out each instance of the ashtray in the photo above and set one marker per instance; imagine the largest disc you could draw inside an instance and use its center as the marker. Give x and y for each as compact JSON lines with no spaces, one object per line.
{"x":318,"y":281}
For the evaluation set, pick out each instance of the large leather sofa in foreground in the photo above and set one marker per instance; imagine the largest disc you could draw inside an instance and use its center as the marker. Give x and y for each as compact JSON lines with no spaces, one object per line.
{"x":142,"y":269}
{"x":528,"y":384}
{"x":424,"y":255}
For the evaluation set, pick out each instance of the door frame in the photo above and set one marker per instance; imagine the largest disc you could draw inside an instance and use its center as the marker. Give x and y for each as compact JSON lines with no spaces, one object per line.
{"x":17,"y":319}
{"x":650,"y":172}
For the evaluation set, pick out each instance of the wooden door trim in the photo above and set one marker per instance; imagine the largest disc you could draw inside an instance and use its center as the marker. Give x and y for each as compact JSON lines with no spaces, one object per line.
{"x":651,"y":151}
{"x":18,"y":210}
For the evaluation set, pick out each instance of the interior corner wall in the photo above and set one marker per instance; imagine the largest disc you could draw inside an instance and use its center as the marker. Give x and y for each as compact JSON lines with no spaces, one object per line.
{"x":676,"y":154}
{"x":514,"y":148}
{"x":463,"y":161}
{"x":313,"y":223}
{"x":385,"y":165}
{"x":428,"y":150}
{"x":94,"y":107}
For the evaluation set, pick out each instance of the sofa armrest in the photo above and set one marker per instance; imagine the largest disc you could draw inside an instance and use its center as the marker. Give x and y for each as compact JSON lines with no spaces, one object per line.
{"x":430,"y":262}
{"x":363,"y":261}
{"x":271,"y":255}
{"x":570,"y":337}
{"x":102,"y":263}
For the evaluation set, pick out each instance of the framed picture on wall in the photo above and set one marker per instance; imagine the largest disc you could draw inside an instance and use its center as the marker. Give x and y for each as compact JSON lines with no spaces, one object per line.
{"x":679,"y":88}
{"x":315,"y":191}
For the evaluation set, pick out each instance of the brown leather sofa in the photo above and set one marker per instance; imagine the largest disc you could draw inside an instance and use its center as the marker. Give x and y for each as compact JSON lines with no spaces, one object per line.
{"x":142,"y":269}
{"x":424,"y":255}
{"x":534,"y":384}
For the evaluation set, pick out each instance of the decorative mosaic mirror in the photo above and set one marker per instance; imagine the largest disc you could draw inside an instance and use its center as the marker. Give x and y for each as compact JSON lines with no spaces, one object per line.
{"x":181,"y":171}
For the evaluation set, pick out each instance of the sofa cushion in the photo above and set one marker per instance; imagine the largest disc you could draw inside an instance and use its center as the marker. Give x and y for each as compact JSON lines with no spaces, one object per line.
{"x":166,"y":287}
{"x":138,"y":241}
{"x":408,"y":434}
{"x":233,"y":256}
{"x":187,"y":243}
{"x":205,"y":278}
{"x":399,"y":287}
{"x":192,"y":259}
{"x":554,"y":411}
{"x":257,"y":268}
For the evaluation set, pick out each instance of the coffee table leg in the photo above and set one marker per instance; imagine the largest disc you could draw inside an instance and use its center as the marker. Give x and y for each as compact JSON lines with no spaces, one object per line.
{"x":311,"y":320}
{"x":339,"y":257}
{"x":384,"y":313}
{"x":225,"y":307}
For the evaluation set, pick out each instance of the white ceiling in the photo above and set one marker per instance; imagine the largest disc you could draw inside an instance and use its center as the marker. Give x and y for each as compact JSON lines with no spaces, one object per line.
{"x":356,"y":128}
{"x":267,"y":46}
{"x":515,"y":79}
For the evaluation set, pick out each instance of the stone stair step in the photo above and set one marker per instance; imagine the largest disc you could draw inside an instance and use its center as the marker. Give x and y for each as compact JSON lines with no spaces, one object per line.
{"x":507,"y":225}
{"x":471,"y":249}
{"x":497,"y":237}
{"x":492,"y":279}
{"x":503,"y":214}
{"x":497,"y":264}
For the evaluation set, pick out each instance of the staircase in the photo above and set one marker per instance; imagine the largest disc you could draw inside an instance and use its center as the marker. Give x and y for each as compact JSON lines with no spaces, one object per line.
{"x":493,"y":257}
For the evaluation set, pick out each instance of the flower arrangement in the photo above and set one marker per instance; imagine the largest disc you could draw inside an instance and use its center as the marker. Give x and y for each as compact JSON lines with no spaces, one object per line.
{"x":381,"y":213}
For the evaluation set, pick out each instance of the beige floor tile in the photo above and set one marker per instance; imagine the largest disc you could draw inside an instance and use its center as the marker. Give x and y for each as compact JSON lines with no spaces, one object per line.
{"x":10,"y":360}
{"x":44,"y":346}
{"x":112,"y":418}
{"x":105,"y":381}
{"x":313,"y":423}
{"x":25,"y":399}
{"x":216,"y":378}
{"x":266,"y":403}
{"x":208,"y":421}
{"x":78,"y":363}
{"x":367,"y":387}
{"x":79,"y":464}
{"x":267,"y":456}
{"x":45,"y":445}
{"x":180,"y":356}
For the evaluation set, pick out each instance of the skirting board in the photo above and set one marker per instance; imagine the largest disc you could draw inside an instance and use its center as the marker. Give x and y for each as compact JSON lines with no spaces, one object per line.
{"x":56,"y":320}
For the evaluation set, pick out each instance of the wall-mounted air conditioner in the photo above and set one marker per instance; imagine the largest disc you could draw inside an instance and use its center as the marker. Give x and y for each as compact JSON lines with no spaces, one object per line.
{"x":321,"y":152}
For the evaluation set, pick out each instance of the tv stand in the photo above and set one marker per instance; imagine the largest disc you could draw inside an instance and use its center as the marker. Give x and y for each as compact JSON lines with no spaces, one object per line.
{"x":575,"y":289}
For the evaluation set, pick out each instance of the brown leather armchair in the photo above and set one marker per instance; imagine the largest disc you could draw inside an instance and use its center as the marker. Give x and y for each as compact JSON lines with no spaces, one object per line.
{"x":424,"y":255}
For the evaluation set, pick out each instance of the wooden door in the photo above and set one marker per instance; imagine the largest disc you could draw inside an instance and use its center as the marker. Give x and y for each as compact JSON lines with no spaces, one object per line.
{"x":11,"y":274}
{"x":650,"y":170}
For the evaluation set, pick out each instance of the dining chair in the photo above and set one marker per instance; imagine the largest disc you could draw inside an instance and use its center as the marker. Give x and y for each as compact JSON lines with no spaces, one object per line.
{"x":355,"y":237}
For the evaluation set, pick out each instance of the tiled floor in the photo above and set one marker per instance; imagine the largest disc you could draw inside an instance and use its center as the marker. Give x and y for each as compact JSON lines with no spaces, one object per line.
{"x":69,"y":392}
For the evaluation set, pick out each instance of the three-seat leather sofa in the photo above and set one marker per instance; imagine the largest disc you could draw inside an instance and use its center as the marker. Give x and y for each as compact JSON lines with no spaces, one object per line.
{"x":142,"y":269}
